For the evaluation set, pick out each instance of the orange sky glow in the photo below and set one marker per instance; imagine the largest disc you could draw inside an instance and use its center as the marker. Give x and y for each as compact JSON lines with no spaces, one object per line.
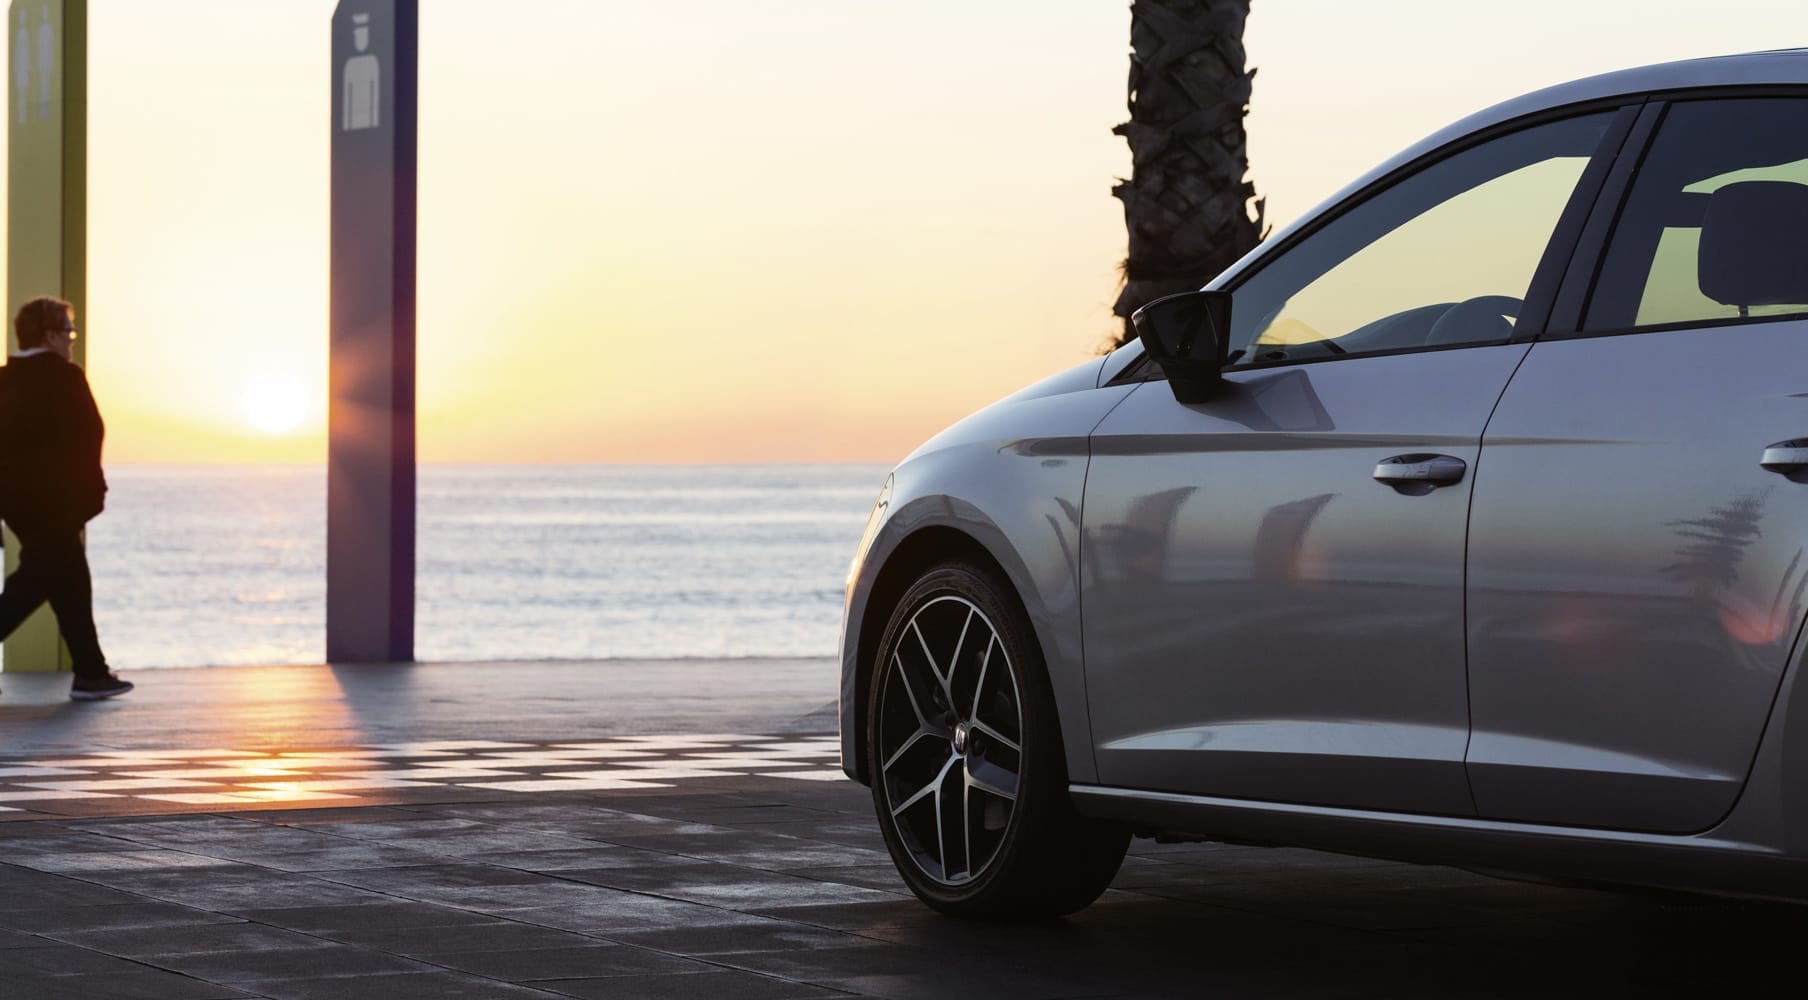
{"x":718,"y":231}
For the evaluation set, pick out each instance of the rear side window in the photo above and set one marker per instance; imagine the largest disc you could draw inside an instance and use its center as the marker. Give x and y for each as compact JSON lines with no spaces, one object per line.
{"x":1716,"y":226}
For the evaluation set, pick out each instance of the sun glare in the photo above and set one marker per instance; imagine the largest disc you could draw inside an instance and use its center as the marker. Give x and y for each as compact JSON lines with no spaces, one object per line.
{"x":275,"y":404}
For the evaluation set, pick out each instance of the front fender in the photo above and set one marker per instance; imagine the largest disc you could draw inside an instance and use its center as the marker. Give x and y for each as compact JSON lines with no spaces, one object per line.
{"x":1010,"y":480}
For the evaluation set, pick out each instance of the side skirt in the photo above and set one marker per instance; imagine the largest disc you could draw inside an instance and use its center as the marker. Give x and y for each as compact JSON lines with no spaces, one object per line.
{"x":1700,"y":863}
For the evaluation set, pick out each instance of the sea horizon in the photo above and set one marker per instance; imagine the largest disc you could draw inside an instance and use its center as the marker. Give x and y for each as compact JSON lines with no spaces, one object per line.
{"x":223,"y":564}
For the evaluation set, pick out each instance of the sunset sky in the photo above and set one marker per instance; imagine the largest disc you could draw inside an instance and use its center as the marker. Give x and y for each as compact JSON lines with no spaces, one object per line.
{"x":800,"y":230}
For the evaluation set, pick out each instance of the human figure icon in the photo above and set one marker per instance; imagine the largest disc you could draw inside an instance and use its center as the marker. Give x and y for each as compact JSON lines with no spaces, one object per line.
{"x":22,"y":65}
{"x":46,"y":61}
{"x":363,"y":80}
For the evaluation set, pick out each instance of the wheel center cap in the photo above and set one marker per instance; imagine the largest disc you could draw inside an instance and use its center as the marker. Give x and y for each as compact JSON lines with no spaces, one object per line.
{"x":960,"y":739}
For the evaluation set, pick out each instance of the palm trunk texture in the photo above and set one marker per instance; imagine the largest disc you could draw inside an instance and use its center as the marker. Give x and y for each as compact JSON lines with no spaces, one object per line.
{"x":1188,"y":205}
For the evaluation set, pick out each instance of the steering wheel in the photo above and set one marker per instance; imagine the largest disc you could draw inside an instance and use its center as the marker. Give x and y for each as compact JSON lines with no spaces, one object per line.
{"x":1481,"y":320}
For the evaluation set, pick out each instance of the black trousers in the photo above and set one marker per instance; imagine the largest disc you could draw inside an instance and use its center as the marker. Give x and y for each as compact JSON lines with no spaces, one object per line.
{"x":53,"y":567}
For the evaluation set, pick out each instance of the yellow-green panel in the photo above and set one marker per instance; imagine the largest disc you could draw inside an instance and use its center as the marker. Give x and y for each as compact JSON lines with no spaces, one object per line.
{"x":47,"y":206}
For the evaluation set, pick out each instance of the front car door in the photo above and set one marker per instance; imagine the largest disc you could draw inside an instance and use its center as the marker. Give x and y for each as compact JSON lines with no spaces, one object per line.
{"x":1636,"y":576}
{"x":1263,"y":618}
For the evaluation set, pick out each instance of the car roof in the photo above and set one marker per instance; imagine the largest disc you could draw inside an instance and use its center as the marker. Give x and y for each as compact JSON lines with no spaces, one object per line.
{"x":1778,"y":66}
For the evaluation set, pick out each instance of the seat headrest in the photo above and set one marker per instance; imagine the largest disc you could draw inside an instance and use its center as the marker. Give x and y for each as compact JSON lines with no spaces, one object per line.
{"x":1754,"y":244}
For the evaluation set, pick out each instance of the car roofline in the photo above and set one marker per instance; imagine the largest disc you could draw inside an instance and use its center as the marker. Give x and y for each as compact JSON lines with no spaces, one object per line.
{"x":1777,"y":67}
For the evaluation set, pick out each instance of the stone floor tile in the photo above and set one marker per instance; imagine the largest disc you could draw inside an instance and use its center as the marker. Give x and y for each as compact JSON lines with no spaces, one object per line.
{"x":432,"y":985}
{"x":736,"y":888}
{"x":137,"y":912}
{"x":600,"y":856}
{"x":195,"y":939}
{"x":245,"y":968}
{"x":769,"y":851}
{"x":59,"y":841}
{"x":486,"y":935}
{"x":381,"y":914}
{"x":759,"y":815}
{"x":629,"y":911}
{"x":312,"y":818}
{"x":415,"y":825}
{"x":909,"y":972}
{"x":117,"y":861}
{"x":761,"y":934}
{"x":402,"y":881}
{"x":859,"y":917}
{"x":146,"y":984}
{"x":468,"y":842}
{"x":714,"y":985}
{"x":52,"y":960}
{"x":587,"y":962}
{"x":251,"y":838}
{"x":883,"y":876}
{"x":500,"y":898}
{"x":342,"y":857}
{"x":59,"y":892}
{"x":240,"y":891}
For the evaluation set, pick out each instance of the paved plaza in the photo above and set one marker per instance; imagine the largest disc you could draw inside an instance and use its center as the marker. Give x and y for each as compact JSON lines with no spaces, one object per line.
{"x":680,"y":830}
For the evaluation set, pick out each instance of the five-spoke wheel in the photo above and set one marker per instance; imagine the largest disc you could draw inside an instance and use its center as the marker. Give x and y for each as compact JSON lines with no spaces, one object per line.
{"x":950,"y":730}
{"x":968,"y":775}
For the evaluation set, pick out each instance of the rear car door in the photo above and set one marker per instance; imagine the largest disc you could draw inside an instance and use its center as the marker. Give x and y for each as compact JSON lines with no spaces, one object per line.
{"x":1638,"y":549}
{"x":1263,"y":618}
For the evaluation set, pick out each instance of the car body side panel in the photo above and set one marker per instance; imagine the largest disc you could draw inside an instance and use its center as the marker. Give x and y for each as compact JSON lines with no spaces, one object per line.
{"x":1011,"y":478}
{"x":1636,"y":580}
{"x":1264,"y":619}
{"x":1760,"y":849}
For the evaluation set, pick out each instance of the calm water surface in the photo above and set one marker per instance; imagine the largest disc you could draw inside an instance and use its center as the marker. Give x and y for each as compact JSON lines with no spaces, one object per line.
{"x":218,"y":565}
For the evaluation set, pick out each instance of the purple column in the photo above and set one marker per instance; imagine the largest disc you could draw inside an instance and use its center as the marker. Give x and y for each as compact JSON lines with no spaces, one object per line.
{"x":370,"y":417}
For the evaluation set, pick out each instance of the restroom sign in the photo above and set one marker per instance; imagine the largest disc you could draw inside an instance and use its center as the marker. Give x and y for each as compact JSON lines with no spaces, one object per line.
{"x":363,"y":80}
{"x":36,"y":61}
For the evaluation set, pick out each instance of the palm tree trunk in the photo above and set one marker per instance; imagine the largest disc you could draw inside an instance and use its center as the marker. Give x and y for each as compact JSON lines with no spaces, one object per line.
{"x":1188,"y":205}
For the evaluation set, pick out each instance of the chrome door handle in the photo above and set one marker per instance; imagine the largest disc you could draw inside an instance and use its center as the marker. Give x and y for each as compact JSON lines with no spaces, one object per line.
{"x":1786,"y":457}
{"x":1417,"y":475}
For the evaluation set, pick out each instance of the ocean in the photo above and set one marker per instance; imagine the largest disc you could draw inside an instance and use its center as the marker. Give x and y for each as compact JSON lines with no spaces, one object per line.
{"x":214,"y":566}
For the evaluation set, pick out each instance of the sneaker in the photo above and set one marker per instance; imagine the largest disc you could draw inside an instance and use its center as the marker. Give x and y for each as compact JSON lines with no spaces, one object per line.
{"x":96,"y":688}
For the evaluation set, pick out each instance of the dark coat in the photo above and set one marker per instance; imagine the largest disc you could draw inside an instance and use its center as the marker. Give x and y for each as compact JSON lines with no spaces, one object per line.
{"x":50,"y":438}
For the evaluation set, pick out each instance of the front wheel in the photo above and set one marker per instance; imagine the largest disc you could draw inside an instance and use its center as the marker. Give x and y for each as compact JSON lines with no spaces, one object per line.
{"x":970,"y":780}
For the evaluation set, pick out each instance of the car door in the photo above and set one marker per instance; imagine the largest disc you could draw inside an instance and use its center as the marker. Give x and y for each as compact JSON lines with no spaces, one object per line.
{"x":1272,"y":579}
{"x":1637,"y":561}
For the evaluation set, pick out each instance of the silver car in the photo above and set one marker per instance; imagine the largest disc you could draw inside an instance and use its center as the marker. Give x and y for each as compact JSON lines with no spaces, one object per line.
{"x":1465,"y":521}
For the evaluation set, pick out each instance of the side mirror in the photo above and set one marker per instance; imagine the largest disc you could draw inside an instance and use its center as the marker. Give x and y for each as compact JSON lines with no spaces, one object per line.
{"x":1188,"y":336}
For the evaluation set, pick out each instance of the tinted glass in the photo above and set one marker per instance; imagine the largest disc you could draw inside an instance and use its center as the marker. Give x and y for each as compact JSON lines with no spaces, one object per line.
{"x":1439,"y":259}
{"x":1741,"y":169}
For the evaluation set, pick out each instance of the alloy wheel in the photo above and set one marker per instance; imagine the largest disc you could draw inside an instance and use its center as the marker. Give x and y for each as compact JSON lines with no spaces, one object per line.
{"x":950,"y":735}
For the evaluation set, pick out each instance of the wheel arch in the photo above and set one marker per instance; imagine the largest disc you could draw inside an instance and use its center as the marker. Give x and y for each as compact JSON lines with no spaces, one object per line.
{"x":915,"y":553}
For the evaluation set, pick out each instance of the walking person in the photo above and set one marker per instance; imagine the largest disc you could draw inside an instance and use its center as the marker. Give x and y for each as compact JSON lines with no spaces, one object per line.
{"x":50,"y":486}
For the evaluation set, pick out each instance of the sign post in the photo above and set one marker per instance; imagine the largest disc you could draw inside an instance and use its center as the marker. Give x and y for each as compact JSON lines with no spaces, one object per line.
{"x":47,"y":215}
{"x":370,"y":415}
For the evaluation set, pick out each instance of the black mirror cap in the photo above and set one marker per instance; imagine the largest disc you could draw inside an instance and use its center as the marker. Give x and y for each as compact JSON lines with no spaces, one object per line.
{"x":1188,"y":335}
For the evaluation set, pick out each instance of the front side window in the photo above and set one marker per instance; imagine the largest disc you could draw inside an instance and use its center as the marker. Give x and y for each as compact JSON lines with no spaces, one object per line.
{"x":1440,"y":259}
{"x":1716,"y":224}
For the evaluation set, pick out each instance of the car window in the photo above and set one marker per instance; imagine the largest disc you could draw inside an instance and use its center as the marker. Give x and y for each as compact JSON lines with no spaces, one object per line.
{"x":1706,"y":234}
{"x":1439,"y":259}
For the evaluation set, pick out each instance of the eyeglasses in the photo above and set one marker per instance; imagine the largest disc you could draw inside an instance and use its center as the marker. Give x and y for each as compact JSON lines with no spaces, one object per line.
{"x":70,"y":330}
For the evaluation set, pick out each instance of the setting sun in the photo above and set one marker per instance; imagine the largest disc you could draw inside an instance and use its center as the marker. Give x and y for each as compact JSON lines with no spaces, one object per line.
{"x":275,"y":404}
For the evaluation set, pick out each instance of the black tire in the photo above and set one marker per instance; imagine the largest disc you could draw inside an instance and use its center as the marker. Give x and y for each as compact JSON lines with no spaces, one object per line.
{"x":975,"y":750}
